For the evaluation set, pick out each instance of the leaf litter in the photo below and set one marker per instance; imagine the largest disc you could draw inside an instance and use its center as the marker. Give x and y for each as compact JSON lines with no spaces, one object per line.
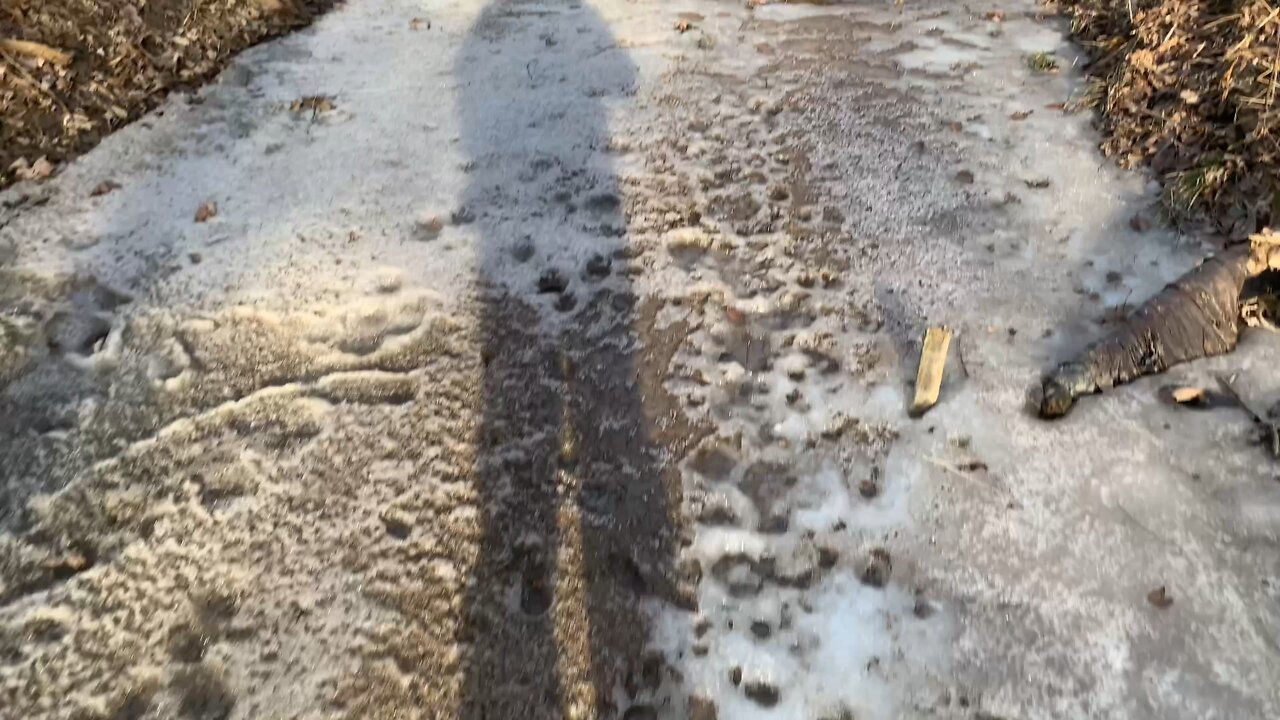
{"x":71,"y":72}
{"x":1188,"y":87}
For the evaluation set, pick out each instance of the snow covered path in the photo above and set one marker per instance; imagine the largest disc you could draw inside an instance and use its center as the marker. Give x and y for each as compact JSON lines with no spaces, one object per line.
{"x":550,"y":359}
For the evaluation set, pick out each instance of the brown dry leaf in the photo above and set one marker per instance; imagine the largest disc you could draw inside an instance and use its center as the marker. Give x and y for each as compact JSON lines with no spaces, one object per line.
{"x":1056,"y":106}
{"x":683,"y":26}
{"x":1020,"y":115}
{"x":314,"y":104}
{"x":1264,"y":252}
{"x":1037,"y":183}
{"x":38,"y":170}
{"x":734,"y":315}
{"x":419,"y":23}
{"x":953,"y":125}
{"x":430,"y":227}
{"x":995,"y":15}
{"x":1160,"y":597}
{"x":207,"y":211}
{"x":73,"y":561}
{"x":103,"y":188}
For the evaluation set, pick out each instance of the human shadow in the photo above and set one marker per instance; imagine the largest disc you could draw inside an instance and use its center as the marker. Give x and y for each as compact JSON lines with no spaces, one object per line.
{"x":578,"y":497}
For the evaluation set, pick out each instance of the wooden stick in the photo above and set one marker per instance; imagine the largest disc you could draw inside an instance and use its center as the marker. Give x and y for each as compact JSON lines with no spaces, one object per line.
{"x":933,"y":358}
{"x":36,"y":50}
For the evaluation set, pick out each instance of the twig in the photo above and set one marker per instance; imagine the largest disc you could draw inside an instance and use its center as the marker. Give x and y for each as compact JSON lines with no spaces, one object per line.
{"x":1272,"y":431}
{"x":36,"y":50}
{"x":943,"y":465}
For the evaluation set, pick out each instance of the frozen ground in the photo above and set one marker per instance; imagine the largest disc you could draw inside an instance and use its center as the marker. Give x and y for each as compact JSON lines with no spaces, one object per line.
{"x":556,"y":366}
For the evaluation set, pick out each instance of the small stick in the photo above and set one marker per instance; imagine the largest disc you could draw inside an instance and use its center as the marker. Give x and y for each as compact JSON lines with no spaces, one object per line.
{"x":943,"y":465}
{"x":1271,"y":428}
{"x":36,"y":50}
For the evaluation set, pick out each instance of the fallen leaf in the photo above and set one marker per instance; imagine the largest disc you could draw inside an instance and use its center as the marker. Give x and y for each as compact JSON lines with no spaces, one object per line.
{"x":1056,"y":106}
{"x":73,"y":561}
{"x":995,"y":15}
{"x":38,"y":170}
{"x":206,"y":211}
{"x":1020,"y":115}
{"x":315,"y":104}
{"x":419,"y":23}
{"x":1190,"y":97}
{"x":964,"y":177}
{"x":734,"y":315}
{"x":103,"y":188}
{"x":1037,"y":183}
{"x":1140,"y":223}
{"x":953,"y":125}
{"x":430,"y":227}
{"x":683,"y":26}
{"x":1160,"y":597}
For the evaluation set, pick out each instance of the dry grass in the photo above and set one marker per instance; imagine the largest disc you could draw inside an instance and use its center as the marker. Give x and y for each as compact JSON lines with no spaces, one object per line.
{"x":1189,"y":86}
{"x":71,"y":71}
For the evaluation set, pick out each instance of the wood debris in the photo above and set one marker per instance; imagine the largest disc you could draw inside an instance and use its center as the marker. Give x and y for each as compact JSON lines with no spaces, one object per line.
{"x":933,"y":359}
{"x":1198,"y":315}
{"x":1270,"y":431}
{"x":36,"y":50}
{"x":1193,"y":396}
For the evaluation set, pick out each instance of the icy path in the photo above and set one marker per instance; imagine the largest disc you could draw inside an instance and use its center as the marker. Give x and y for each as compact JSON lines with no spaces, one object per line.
{"x":555,"y":362}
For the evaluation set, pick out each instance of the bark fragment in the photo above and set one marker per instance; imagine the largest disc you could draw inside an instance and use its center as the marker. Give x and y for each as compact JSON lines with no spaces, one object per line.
{"x":1195,"y":316}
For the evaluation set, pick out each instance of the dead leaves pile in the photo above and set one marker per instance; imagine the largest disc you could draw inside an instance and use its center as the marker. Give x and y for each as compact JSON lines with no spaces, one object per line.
{"x":1189,"y":86}
{"x":73,"y":71}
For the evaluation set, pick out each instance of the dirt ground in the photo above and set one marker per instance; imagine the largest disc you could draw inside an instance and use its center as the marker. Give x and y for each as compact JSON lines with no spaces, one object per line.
{"x":454,"y":359}
{"x":84,"y":68}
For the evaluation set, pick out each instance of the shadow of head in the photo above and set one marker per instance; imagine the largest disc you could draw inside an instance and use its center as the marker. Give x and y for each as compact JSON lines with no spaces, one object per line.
{"x":536,"y":83}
